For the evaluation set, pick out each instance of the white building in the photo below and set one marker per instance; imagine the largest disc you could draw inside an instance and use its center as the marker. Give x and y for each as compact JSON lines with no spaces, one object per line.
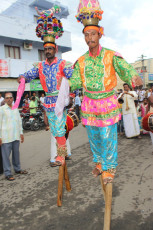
{"x":19,"y":45}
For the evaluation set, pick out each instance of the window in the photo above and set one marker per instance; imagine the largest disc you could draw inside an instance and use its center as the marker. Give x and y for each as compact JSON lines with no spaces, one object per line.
{"x":41,"y":55}
{"x":12,"y":52}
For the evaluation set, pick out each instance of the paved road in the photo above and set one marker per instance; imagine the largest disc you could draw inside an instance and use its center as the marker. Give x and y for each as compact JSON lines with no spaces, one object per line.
{"x":29,"y":202}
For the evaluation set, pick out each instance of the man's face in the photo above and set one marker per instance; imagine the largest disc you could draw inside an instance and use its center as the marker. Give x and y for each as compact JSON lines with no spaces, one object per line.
{"x":50,"y":52}
{"x":92,"y":38}
{"x":126,"y":88}
{"x":145,"y":101}
{"x":8,"y":99}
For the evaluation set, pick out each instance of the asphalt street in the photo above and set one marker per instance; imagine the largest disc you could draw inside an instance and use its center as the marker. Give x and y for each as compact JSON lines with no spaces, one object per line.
{"x":29,"y":202}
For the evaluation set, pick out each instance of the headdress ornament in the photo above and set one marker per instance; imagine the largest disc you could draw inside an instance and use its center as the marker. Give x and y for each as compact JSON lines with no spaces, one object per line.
{"x":49,"y":27}
{"x":90,"y":13}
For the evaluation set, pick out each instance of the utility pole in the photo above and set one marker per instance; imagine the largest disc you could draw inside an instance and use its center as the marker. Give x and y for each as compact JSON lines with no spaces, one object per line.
{"x":143,"y":69}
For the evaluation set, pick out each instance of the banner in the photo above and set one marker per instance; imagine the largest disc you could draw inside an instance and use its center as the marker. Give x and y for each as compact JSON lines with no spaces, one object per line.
{"x":150,"y":76}
{"x":3,"y":68}
{"x":35,"y":85}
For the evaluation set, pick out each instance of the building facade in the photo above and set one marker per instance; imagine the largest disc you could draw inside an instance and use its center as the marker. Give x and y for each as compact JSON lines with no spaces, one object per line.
{"x":20,"y":48}
{"x":144,"y":68}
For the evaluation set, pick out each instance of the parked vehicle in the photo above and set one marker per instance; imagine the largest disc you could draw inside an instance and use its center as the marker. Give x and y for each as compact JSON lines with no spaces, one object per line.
{"x":32,"y":121}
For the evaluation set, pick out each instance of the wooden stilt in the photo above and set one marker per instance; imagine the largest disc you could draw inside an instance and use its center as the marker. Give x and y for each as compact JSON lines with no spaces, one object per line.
{"x":108,"y":206}
{"x":63,"y":174}
{"x":60,"y":186}
{"x":107,"y":190}
{"x":66,"y":177}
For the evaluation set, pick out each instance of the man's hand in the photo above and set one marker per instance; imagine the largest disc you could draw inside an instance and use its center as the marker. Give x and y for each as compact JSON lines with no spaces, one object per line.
{"x":22,"y":138}
{"x":19,"y":78}
{"x":137,"y":81}
{"x":0,"y":141}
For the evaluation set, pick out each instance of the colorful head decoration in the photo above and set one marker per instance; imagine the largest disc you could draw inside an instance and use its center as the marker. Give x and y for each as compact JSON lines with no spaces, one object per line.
{"x":89,"y":14}
{"x":49,"y":27}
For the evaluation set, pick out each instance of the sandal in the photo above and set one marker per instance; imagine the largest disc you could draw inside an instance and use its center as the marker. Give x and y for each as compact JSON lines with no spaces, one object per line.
{"x":97,"y":170}
{"x":53,"y":164}
{"x":108,"y":175}
{"x":68,"y":158}
{"x":21,"y":172}
{"x":10,"y":178}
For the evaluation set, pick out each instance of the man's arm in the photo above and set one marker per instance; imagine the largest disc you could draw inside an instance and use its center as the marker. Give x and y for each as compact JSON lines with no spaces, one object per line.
{"x":75,"y":81}
{"x":126,"y":72}
{"x":29,"y":75}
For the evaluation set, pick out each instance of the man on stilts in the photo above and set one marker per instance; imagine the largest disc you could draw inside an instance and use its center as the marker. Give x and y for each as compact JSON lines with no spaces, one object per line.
{"x":50,"y":73}
{"x":96,"y":72}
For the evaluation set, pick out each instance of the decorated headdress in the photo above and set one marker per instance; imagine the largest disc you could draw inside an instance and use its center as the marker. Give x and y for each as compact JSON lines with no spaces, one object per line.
{"x":49,"y":27}
{"x":89,"y":14}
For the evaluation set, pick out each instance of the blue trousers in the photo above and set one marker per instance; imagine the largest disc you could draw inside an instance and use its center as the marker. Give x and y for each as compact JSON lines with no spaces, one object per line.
{"x":103,"y":144}
{"x":6,"y":151}
{"x":57,"y":127}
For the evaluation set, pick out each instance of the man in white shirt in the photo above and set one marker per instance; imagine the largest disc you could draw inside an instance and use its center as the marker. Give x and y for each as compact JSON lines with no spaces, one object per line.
{"x":1,"y":99}
{"x":42,"y":98}
{"x":11,"y":133}
{"x":150,"y":91}
{"x":141,"y":95}
{"x":77,"y":105}
{"x":130,"y":119}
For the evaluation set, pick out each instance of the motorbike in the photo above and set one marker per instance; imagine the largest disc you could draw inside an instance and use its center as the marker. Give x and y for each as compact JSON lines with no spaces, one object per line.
{"x":32,"y":121}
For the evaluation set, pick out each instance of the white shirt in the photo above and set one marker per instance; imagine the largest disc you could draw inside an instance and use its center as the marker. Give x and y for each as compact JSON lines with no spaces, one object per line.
{"x":130,"y":101}
{"x":42,"y":99}
{"x":1,"y":99}
{"x":150,"y":93}
{"x":77,"y":101}
{"x":141,"y":95}
{"x":10,"y":124}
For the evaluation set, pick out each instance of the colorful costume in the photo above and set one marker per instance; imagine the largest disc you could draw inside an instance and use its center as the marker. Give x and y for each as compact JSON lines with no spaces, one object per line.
{"x":51,"y":75}
{"x":97,"y":75}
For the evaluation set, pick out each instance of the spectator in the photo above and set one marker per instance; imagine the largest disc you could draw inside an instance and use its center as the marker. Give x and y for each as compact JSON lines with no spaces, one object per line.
{"x":130,"y":120}
{"x":77,"y":105}
{"x":10,"y":134}
{"x":26,"y":97}
{"x":150,"y":91}
{"x":42,"y":98}
{"x":1,"y":163}
{"x":25,"y":107}
{"x":32,"y":106}
{"x":36,"y":99}
{"x":1,"y":99}
{"x":141,"y":95}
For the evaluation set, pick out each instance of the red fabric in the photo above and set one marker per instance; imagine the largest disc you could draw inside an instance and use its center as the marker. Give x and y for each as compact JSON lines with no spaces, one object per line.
{"x":69,"y":124}
{"x":61,"y":140}
{"x":42,"y":78}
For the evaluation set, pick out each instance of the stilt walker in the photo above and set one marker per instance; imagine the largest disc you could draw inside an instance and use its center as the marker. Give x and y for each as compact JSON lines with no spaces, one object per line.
{"x":95,"y":71}
{"x":52,"y":74}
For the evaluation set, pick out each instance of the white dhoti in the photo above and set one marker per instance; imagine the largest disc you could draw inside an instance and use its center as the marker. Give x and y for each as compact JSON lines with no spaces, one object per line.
{"x":131,"y":125}
{"x":151,"y":135}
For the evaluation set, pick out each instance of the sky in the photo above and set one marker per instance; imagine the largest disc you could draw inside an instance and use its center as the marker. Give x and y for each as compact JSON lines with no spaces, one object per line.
{"x":127,"y":26}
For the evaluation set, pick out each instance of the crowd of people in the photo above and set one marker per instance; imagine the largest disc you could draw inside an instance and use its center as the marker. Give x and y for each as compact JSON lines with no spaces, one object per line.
{"x":134,"y":106}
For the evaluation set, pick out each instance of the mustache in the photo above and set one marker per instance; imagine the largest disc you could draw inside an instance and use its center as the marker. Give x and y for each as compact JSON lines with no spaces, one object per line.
{"x":90,"y":42}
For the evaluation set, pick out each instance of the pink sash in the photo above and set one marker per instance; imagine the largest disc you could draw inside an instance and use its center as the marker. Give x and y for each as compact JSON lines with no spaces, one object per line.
{"x":20,"y":92}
